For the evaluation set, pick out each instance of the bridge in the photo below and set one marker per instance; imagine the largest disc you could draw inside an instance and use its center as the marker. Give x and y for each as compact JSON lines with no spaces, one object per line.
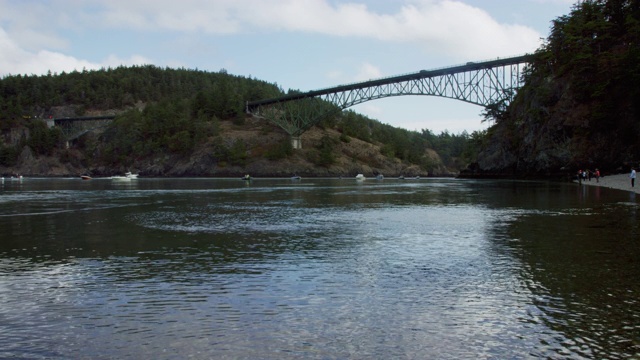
{"x":74,"y":127}
{"x":480,"y":83}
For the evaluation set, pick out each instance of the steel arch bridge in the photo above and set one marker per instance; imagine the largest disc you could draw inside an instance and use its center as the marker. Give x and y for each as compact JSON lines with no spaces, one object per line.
{"x":481,"y":83}
{"x":74,"y":127}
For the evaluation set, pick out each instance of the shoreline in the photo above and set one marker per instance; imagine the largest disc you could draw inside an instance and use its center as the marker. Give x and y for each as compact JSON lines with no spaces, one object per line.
{"x":618,"y":182}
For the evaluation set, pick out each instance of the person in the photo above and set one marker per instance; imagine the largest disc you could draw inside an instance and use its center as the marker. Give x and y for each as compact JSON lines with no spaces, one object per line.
{"x":633,"y":177}
{"x":580,"y":176}
{"x":597,"y":174}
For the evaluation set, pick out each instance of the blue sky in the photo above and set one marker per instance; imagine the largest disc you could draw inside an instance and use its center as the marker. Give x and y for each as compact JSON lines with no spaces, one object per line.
{"x":298,"y":44}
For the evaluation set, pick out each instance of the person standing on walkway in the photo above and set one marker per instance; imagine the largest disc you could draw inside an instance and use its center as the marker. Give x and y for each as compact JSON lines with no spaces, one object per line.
{"x":633,"y":177}
{"x":597,"y":173}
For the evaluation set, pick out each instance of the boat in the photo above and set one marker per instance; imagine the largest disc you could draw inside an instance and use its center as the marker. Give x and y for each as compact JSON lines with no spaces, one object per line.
{"x":296,"y":177}
{"x":246,"y":177}
{"x":360,"y":177}
{"x":130,"y":175}
{"x":85,"y":177}
{"x":379,"y":177}
{"x":120,"y":178}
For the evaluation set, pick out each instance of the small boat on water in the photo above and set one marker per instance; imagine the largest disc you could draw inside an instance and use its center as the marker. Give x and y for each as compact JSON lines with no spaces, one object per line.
{"x":246,"y":177}
{"x":127,"y":176}
{"x":85,"y":177}
{"x":120,"y":178}
{"x":360,"y":177}
{"x":296,"y":177}
{"x":379,"y":177}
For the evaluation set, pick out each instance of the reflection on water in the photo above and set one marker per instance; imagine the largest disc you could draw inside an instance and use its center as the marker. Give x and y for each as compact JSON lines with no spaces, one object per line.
{"x":204,"y":268}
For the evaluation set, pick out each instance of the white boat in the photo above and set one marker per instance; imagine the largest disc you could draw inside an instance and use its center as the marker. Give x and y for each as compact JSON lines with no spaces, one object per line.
{"x":120,"y":178}
{"x":130,"y":175}
{"x":360,"y":177}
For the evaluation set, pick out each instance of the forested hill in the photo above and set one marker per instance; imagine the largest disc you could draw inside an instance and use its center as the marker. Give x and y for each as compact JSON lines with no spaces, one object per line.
{"x":179,"y":122}
{"x":580,"y":107}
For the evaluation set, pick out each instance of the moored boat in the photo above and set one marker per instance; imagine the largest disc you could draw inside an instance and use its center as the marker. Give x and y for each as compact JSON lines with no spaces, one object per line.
{"x":360,"y":177}
{"x":85,"y":177}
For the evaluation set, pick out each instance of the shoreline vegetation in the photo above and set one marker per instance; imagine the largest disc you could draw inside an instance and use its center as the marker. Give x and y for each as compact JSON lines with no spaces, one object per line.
{"x":618,"y":182}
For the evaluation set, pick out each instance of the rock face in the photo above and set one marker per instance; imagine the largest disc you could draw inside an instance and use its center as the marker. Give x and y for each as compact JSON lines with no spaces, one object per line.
{"x":548,"y":132}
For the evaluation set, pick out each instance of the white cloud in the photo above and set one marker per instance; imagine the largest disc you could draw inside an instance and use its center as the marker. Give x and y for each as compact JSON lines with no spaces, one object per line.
{"x":367,"y":72}
{"x":16,"y":60}
{"x":448,"y":25}
{"x":450,"y":28}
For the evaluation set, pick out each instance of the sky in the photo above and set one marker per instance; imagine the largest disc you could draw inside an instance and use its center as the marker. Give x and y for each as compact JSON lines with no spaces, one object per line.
{"x":297,"y":44}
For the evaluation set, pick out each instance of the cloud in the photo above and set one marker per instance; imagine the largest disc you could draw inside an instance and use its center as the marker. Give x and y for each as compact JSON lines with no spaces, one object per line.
{"x":454,"y":26}
{"x":16,"y":60}
{"x":367,"y":72}
{"x":450,"y":28}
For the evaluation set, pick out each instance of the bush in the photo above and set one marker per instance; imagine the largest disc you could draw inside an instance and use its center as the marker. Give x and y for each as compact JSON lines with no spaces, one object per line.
{"x":8,"y":155}
{"x":279,"y":151}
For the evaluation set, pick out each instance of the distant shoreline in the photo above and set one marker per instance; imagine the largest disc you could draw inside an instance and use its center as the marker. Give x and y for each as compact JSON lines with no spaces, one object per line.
{"x":619,"y":182}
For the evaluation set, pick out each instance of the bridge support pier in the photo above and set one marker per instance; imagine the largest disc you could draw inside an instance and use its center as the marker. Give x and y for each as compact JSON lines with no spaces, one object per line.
{"x":296,"y":143}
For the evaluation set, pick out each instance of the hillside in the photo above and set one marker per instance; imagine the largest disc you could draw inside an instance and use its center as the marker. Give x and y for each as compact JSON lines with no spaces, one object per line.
{"x":178,"y":122}
{"x":348,"y":158}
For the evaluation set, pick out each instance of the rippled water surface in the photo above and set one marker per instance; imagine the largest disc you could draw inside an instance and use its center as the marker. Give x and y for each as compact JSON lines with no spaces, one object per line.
{"x":317,"y":268}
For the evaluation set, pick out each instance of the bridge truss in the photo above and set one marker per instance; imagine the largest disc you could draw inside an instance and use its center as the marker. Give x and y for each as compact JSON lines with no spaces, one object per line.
{"x":481,"y":83}
{"x":73,"y":128}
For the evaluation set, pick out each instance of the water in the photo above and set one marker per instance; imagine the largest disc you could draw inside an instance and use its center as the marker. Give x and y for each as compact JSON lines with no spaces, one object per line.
{"x":317,"y":269}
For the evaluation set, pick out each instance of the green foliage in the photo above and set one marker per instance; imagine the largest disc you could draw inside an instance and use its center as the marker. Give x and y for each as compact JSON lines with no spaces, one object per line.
{"x":281,"y":150}
{"x":236,"y":154}
{"x":181,"y":142}
{"x":43,"y":140}
{"x":215,"y":94}
{"x":8,"y":155}
{"x":345,"y":138}
{"x":324,"y":156}
{"x":583,"y":88}
{"x":355,"y":125}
